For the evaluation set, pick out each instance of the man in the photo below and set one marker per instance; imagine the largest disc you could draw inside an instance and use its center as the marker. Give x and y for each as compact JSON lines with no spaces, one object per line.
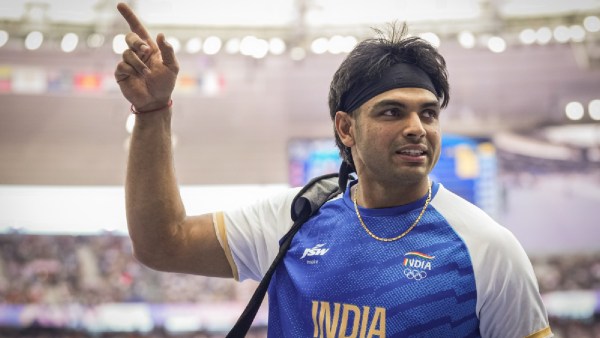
{"x":394,"y":255}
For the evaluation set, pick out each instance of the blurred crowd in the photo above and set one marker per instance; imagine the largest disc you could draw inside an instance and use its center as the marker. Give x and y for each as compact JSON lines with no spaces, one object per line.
{"x":577,"y":271}
{"x":92,"y":270}
{"x":568,"y":273}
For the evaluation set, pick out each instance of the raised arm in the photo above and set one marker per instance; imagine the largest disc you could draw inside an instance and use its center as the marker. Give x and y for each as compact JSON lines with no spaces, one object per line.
{"x":163,"y":236}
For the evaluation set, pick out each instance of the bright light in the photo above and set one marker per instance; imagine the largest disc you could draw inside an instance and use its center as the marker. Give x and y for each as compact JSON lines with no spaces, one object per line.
{"x":193,"y":45}
{"x":432,"y":38}
{"x":69,"y":42}
{"x":543,"y":35}
{"x":210,"y":83}
{"x":232,"y":46}
{"x":466,"y":39}
{"x":212,"y":45}
{"x":34,"y":40}
{"x":95,"y":40}
{"x":592,"y":24}
{"x":253,"y":46}
{"x":297,"y":53}
{"x":276,"y":46}
{"x":319,"y":45}
{"x":349,"y":43}
{"x":574,"y":110}
{"x":174,"y":42}
{"x":118,"y":44}
{"x":562,"y":34}
{"x":260,"y":49}
{"x":496,"y":44}
{"x":594,"y":110}
{"x":577,"y":33}
{"x":528,"y":36}
{"x":247,"y":45}
{"x":336,"y":44}
{"x":130,"y":123}
{"x":3,"y":37}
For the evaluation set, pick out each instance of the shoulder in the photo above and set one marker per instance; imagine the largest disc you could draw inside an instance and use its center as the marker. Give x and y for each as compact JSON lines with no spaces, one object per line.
{"x":469,"y":221}
{"x":277,"y":203}
{"x":250,"y":234}
{"x":488,"y":242}
{"x":507,"y":290}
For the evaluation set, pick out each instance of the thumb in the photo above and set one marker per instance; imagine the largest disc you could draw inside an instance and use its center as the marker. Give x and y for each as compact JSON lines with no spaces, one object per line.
{"x":167,"y":53}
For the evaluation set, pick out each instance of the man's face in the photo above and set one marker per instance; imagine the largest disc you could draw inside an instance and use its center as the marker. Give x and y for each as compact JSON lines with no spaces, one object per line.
{"x":396,"y":136}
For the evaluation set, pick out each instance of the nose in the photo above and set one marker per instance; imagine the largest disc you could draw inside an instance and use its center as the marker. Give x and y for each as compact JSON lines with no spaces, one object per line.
{"x":414,"y":127}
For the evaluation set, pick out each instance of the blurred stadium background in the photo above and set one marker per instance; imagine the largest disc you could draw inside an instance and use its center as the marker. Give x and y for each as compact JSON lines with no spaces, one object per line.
{"x":521,"y":140}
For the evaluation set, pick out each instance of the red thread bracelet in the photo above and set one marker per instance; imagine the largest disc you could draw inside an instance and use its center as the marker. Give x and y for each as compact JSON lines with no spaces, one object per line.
{"x":133,"y":111}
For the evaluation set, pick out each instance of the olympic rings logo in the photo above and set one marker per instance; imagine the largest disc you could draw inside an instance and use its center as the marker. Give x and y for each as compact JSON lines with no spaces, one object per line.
{"x":415,"y":274}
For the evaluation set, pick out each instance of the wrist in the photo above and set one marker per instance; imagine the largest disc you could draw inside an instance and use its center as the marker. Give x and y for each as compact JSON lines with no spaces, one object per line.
{"x":134,"y":110}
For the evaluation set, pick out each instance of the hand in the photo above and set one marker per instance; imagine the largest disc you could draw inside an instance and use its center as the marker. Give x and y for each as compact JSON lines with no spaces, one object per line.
{"x":149,"y":69}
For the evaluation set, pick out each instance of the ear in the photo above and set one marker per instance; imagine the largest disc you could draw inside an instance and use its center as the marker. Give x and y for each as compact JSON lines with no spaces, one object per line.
{"x":344,"y":126}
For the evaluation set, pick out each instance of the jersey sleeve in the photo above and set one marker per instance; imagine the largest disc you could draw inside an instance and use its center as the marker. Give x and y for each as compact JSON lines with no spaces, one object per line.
{"x":250,"y":235}
{"x":509,"y":304}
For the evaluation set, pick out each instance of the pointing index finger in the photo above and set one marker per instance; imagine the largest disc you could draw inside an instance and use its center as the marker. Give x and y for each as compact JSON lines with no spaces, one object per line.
{"x":134,"y":23}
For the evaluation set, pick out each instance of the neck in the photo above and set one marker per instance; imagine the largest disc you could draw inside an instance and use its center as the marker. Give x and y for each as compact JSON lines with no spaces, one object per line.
{"x":377,"y":195}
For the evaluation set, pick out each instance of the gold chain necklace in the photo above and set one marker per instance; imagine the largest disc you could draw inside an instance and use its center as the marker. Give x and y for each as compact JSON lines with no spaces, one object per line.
{"x":383,"y":239}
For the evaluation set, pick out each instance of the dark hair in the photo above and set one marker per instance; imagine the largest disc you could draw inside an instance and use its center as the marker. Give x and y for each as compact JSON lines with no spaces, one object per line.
{"x":373,"y":56}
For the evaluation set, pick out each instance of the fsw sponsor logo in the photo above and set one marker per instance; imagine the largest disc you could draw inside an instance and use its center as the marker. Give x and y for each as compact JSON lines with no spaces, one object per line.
{"x":317,"y":250}
{"x":416,"y":265}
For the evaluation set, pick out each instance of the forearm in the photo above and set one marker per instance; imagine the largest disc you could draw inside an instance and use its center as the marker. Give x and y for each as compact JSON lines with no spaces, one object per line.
{"x":153,"y":203}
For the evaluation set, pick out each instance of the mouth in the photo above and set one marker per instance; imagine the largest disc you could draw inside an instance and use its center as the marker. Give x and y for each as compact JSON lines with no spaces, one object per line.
{"x":413,"y":153}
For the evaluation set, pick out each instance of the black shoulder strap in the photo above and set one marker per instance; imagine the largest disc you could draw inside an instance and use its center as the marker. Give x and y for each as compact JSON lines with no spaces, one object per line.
{"x":306,"y":203}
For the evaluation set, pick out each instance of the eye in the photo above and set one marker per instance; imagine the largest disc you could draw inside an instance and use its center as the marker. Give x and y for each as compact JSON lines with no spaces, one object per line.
{"x":391,"y":112}
{"x":430,"y":113}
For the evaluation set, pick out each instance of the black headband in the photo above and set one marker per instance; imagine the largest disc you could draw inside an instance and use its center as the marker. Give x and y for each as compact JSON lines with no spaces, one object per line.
{"x":400,"y":75}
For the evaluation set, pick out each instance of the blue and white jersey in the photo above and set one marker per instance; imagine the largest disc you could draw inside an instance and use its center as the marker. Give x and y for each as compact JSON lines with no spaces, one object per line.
{"x":457,"y":273}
